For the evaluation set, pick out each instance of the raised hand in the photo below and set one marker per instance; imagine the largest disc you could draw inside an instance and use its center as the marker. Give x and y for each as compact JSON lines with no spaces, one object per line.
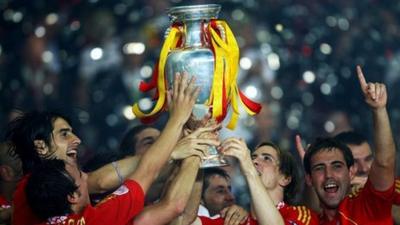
{"x":237,"y":148}
{"x":183,"y":97}
{"x":194,"y":145}
{"x":300,"y":148}
{"x":234,"y":215}
{"x":374,"y":93}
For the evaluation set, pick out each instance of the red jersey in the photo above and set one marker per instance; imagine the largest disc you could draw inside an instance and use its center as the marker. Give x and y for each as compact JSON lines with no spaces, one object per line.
{"x":365,"y":206}
{"x":22,"y":213}
{"x":4,"y":204}
{"x":292,"y":215}
{"x":118,"y":208}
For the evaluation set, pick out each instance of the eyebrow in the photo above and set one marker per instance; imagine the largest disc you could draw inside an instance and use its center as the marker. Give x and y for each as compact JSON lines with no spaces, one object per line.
{"x":221,"y":187}
{"x":334,"y":162}
{"x":64,"y":129}
{"x":264,"y":154}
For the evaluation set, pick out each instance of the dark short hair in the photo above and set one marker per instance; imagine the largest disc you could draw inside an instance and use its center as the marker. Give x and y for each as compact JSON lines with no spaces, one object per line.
{"x":327,"y":144}
{"x":128,"y":142}
{"x":25,"y":129}
{"x":351,"y":138}
{"x":212,"y":171}
{"x":288,"y":167}
{"x":48,"y":188}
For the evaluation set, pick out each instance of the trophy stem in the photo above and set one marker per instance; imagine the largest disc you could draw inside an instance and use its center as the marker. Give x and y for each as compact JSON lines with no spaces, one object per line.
{"x":214,"y":159}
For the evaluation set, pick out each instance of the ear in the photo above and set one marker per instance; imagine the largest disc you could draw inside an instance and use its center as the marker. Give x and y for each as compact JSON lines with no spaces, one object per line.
{"x":6,"y":173}
{"x":73,"y":199}
{"x":285,"y":181}
{"x":308,"y":180}
{"x":41,"y":147}
{"x":352,"y":171}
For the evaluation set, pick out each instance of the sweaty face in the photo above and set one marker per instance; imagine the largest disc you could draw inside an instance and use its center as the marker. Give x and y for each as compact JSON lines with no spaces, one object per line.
{"x":64,"y":143}
{"x":362,"y":159}
{"x":265,"y":159}
{"x":81,"y":196}
{"x":218,"y":194}
{"x":145,"y":139}
{"x":330,"y":177}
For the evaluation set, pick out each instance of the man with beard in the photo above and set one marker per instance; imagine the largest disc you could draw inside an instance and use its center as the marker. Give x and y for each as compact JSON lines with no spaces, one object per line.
{"x":329,"y":169}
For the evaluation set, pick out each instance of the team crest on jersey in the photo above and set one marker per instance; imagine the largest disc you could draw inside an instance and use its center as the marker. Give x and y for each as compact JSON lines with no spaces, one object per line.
{"x":121,"y":190}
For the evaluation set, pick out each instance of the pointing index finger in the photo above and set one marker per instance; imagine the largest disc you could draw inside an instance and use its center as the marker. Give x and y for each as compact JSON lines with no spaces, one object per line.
{"x":361,"y":79}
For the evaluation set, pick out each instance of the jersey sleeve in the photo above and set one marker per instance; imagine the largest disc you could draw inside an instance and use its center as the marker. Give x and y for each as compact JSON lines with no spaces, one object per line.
{"x":299,"y":215}
{"x":369,"y":205}
{"x":119,"y":207}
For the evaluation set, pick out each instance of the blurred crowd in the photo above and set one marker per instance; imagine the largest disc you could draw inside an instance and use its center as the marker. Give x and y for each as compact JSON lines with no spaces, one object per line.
{"x":298,"y":58}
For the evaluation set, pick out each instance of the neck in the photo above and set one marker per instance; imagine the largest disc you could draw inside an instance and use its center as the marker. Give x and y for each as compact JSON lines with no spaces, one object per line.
{"x":330,"y":214}
{"x":276,"y":195}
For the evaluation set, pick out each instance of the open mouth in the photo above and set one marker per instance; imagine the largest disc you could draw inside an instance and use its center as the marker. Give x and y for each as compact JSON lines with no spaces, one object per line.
{"x":72,"y":153}
{"x":331,"y":187}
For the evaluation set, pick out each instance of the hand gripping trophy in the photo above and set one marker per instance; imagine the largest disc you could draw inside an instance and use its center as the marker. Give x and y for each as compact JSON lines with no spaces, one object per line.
{"x":204,"y":47}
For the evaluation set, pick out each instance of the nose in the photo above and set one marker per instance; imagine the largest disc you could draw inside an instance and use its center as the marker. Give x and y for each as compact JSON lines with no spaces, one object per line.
{"x":76,"y":140}
{"x":255,"y":161}
{"x":362,"y":168}
{"x":328,"y":172}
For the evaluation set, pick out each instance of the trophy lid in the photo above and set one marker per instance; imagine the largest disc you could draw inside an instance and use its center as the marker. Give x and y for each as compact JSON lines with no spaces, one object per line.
{"x":194,"y":12}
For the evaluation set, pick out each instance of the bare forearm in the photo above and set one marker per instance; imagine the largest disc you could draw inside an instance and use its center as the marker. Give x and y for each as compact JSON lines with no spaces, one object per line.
{"x":174,"y":202}
{"x":181,"y":187}
{"x":192,"y":207}
{"x":383,"y":167}
{"x":263,"y":205}
{"x":106,"y":178}
{"x":385,"y":147}
{"x":158,"y":154}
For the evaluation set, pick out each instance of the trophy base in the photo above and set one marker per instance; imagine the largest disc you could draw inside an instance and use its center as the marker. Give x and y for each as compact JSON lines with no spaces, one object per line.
{"x":213,"y":161}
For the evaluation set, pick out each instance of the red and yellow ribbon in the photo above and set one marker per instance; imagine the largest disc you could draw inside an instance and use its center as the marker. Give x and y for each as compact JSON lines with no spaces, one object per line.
{"x":224,"y":90}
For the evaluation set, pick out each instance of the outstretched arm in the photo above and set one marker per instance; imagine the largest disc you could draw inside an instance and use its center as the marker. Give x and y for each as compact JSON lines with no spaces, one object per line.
{"x":383,"y":168}
{"x":177,"y":196}
{"x":263,"y":205}
{"x":181,"y":104}
{"x":106,"y":178}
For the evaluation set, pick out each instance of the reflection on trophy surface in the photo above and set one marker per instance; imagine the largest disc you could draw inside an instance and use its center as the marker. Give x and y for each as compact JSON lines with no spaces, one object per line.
{"x":196,"y":58}
{"x":204,"y":47}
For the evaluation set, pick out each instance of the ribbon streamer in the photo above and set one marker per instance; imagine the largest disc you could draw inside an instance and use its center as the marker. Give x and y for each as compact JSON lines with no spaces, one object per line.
{"x":224,"y":89}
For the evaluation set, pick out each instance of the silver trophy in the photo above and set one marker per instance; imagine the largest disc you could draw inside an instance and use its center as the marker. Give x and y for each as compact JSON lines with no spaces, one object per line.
{"x":196,"y":58}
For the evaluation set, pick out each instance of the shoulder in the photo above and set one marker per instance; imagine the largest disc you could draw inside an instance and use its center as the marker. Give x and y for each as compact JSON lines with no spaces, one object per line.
{"x":298,"y":215}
